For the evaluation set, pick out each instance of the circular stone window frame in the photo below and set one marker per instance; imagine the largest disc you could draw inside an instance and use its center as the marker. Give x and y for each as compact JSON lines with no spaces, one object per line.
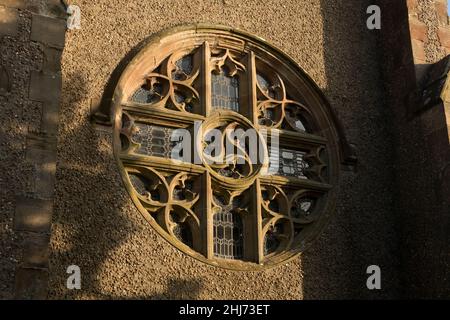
{"x":149,"y":57}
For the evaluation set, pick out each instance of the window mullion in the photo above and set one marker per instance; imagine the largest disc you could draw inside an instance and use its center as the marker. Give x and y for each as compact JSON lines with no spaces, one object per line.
{"x":206,"y":217}
{"x":253,"y":250}
{"x":255,"y":243}
{"x":206,"y":78}
{"x":252,"y":98}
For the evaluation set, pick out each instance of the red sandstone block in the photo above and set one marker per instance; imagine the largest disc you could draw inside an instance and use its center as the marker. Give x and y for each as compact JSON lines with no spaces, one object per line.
{"x":44,"y":87}
{"x":8,"y":22}
{"x":50,"y":114}
{"x":35,"y":251}
{"x":441,"y":9}
{"x":444,"y":36}
{"x":49,"y":31}
{"x":31,"y":283}
{"x":412,"y":4}
{"x":52,"y":8}
{"x":52,"y":60}
{"x":418,"y":30}
{"x":418,"y":50}
{"x":20,"y":4}
{"x":33,"y":215}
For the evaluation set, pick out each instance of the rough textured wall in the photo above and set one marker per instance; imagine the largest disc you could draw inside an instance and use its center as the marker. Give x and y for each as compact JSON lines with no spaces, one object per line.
{"x":363,"y":230}
{"x":95,"y":224}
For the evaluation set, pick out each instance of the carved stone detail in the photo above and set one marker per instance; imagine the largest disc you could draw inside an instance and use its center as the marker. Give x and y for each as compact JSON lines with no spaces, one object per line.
{"x":239,"y":214}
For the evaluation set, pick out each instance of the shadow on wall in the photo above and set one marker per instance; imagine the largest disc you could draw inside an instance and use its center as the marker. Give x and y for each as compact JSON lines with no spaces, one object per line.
{"x":88,"y":203}
{"x":423,"y":155}
{"x":362,"y":230}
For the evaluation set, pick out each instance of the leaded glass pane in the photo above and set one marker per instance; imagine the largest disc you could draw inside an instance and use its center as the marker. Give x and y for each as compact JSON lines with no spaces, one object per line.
{"x":287,"y":162}
{"x":265,"y":85}
{"x":272,"y":239}
{"x":303,"y":207}
{"x":157,"y":141}
{"x":228,"y":231}
{"x":209,"y":204}
{"x":144,"y":186}
{"x":183,"y":233}
{"x":144,"y":95}
{"x":181,"y":230}
{"x":225,"y":91}
{"x":263,"y":82}
{"x":183,"y":68}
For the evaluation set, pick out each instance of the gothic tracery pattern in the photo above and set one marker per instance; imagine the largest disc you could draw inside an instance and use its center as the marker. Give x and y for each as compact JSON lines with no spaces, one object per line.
{"x":236,"y":213}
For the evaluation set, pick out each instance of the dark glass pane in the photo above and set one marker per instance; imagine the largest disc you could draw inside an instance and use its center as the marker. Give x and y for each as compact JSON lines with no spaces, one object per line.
{"x":266,"y":86}
{"x":141,"y":185}
{"x":183,"y":68}
{"x":272,"y":239}
{"x":303,"y":207}
{"x":183,"y":233}
{"x":143,"y":95}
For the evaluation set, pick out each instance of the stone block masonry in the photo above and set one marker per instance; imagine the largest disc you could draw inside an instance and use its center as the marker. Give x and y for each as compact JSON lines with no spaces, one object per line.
{"x":416,"y":75}
{"x":8,"y":21}
{"x":41,"y":25}
{"x":430,"y":32}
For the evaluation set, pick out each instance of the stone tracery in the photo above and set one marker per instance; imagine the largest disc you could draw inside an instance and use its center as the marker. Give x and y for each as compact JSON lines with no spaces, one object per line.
{"x":235,"y":213}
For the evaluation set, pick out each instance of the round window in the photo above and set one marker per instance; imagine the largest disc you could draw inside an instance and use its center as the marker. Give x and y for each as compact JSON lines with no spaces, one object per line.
{"x":226,"y":146}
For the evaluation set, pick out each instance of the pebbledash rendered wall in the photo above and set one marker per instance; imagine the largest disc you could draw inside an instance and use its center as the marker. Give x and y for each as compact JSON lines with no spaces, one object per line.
{"x":97,"y":227}
{"x":71,"y":198}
